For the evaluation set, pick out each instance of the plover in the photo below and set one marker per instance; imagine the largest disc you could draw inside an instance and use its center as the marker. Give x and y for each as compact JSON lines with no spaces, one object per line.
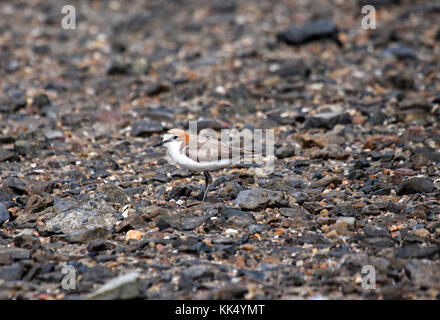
{"x":200,"y":153}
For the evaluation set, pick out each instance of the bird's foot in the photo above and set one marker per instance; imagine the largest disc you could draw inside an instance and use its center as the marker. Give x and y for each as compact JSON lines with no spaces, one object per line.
{"x":199,"y":197}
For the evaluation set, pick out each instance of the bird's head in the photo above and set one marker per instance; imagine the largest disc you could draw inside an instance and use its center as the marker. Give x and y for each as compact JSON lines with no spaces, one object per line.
{"x":174,"y":137}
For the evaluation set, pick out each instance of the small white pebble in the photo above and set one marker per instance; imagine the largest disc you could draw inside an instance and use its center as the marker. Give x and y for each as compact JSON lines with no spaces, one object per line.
{"x":231,"y":232}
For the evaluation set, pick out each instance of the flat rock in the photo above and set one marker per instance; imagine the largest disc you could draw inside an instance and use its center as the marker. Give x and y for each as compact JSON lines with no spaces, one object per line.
{"x":343,"y":209}
{"x":99,"y":245}
{"x":88,"y":214}
{"x":113,"y":193}
{"x":123,"y":287}
{"x":239,"y":223}
{"x":324,"y":182}
{"x":37,"y":187}
{"x":327,"y":120}
{"x":163,"y":218}
{"x":294,"y":211}
{"x":8,"y":156}
{"x":415,"y":185}
{"x":401,"y":52}
{"x":424,"y":273}
{"x":315,"y":30}
{"x":15,"y":253}
{"x":258,"y":198}
{"x":133,"y":221}
{"x":4,"y":213}
{"x":12,"y":272}
{"x":87,"y":235}
{"x":285,"y":151}
{"x":425,"y":156}
{"x":190,"y":222}
{"x":331,"y":151}
{"x":197,"y":272}
{"x":416,"y":251}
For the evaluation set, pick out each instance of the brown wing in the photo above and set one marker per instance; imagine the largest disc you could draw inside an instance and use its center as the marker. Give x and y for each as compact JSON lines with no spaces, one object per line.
{"x":211,"y":150}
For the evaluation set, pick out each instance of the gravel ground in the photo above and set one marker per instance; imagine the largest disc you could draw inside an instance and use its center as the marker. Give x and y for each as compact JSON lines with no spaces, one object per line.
{"x":355,"y":184}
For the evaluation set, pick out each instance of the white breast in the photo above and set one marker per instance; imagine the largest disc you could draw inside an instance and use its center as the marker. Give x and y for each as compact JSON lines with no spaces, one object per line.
{"x":188,"y":163}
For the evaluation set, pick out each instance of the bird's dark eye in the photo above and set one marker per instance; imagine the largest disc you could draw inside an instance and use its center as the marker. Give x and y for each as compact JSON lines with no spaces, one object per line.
{"x":175,"y":137}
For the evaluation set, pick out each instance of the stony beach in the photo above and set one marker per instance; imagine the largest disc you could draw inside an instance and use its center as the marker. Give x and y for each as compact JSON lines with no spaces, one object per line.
{"x":356,"y":177}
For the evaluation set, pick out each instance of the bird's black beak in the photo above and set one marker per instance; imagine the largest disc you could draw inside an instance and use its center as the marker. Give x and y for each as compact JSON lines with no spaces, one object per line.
{"x":159,"y":144}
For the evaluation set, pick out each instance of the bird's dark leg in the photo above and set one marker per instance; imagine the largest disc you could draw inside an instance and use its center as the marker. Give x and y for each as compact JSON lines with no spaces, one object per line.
{"x":208,"y":180}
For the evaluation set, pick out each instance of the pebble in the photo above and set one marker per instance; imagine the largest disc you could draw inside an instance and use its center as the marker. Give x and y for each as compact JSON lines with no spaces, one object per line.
{"x":236,"y":222}
{"x":285,"y":151}
{"x":415,"y":185}
{"x":424,"y":273}
{"x":425,"y":156}
{"x":371,"y":210}
{"x":404,"y":172}
{"x":328,"y":120}
{"x":315,"y":30}
{"x":122,"y":288}
{"x":343,"y":209}
{"x":197,"y":272}
{"x":191,"y":222}
{"x":15,"y":253}
{"x":323,"y":221}
{"x":416,"y":251}
{"x":133,"y":235}
{"x":326,"y":181}
{"x":87,"y":235}
{"x":293,"y":211}
{"x":4,"y":214}
{"x":86,"y":215}
{"x":113,"y":193}
{"x":133,"y":221}
{"x":162,"y":217}
{"x":260,"y":198}
{"x":349,"y":220}
{"x":401,"y":52}
{"x":99,"y":245}
{"x":331,"y":151}
{"x":13,"y":272}
{"x":256,"y":228}
{"x":231,"y":232}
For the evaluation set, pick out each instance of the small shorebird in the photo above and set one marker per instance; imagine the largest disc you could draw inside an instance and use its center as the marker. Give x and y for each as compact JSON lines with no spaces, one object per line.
{"x":199,"y":153}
